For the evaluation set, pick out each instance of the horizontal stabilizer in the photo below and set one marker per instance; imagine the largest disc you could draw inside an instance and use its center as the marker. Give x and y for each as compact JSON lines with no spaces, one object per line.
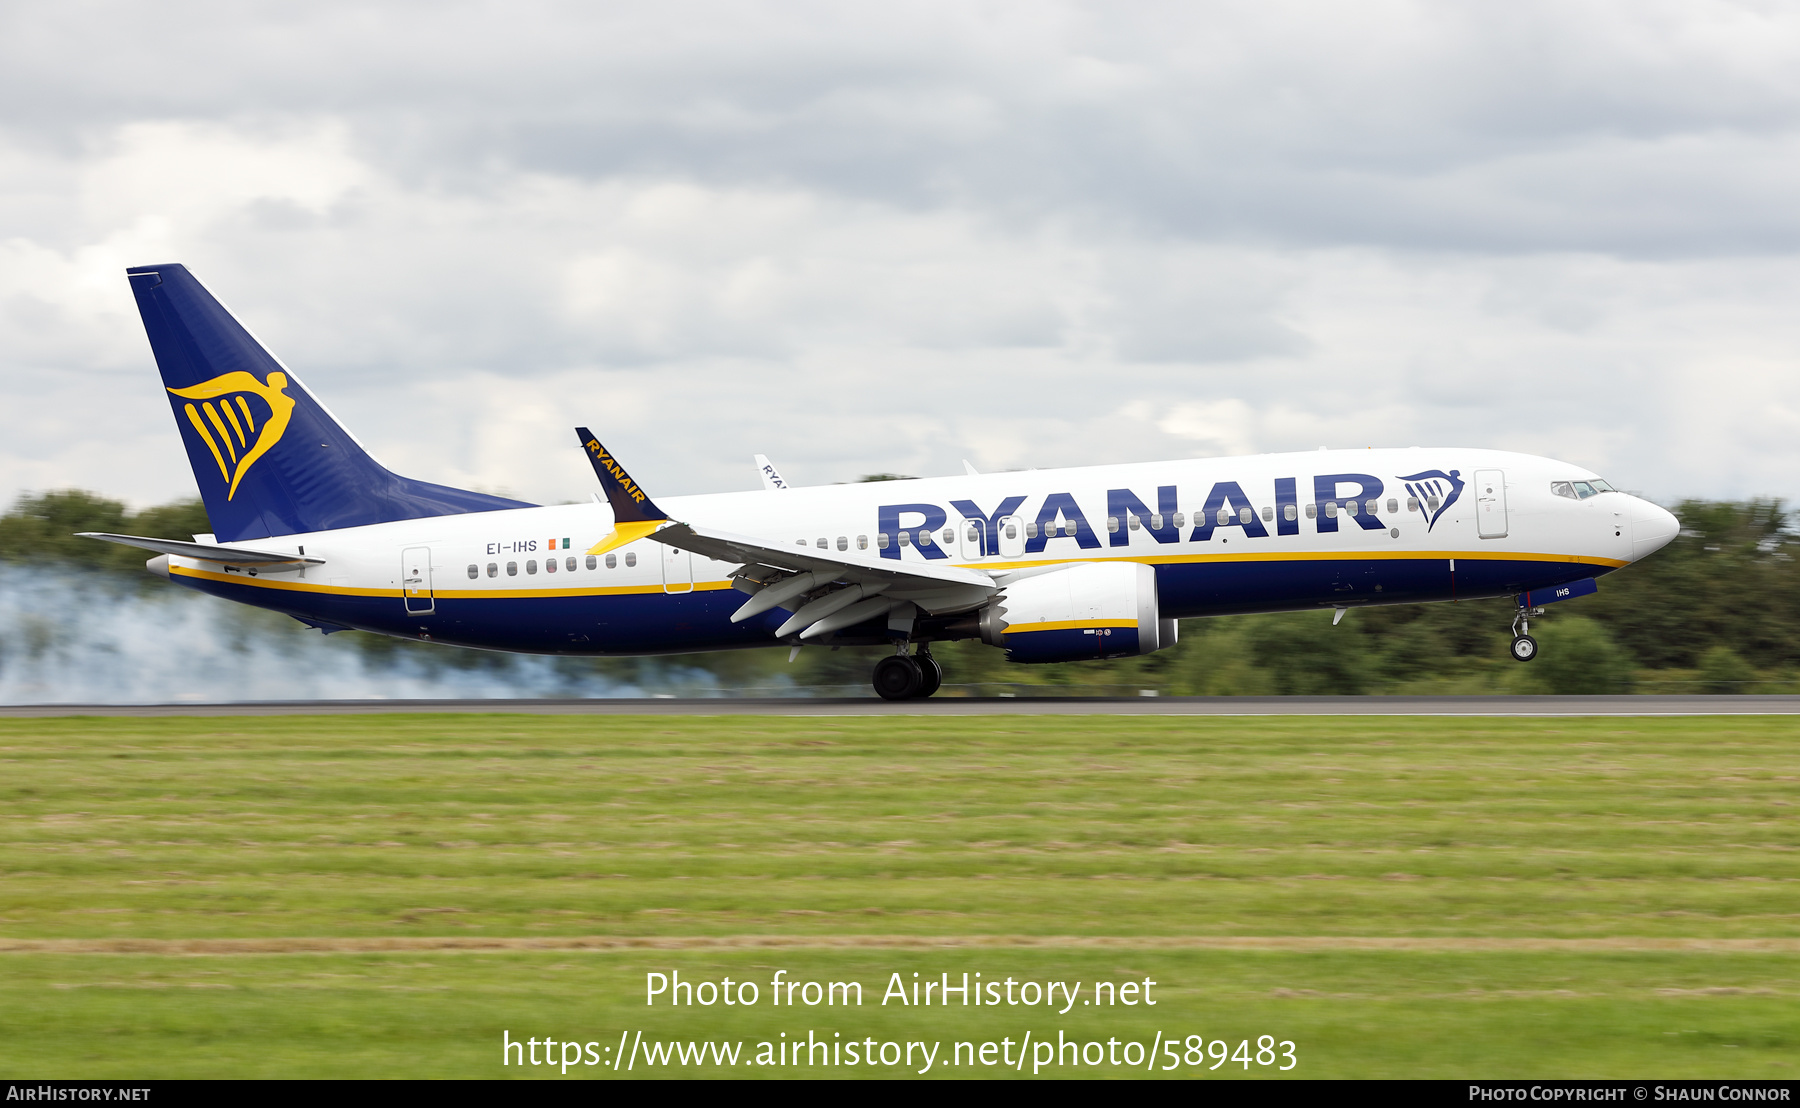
{"x":224,"y":555}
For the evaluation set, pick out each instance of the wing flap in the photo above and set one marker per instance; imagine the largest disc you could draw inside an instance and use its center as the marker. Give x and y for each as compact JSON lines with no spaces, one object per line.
{"x":796,"y":577}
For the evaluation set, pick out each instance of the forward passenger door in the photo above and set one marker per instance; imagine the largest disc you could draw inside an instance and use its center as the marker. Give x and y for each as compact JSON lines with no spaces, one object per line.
{"x":1490,"y":503}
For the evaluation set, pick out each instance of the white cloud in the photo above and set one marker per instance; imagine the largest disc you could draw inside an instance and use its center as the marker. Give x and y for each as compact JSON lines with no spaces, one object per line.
{"x":888,"y":239}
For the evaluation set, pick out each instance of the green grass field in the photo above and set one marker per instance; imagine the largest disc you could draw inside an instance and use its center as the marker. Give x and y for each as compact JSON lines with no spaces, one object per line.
{"x":384,"y":896}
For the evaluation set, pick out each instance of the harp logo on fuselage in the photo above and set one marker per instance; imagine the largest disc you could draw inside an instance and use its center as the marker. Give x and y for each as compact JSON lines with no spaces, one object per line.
{"x":1436,"y":491}
{"x":229,"y":424}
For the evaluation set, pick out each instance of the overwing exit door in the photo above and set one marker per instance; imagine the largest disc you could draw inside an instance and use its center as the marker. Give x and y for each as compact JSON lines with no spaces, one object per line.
{"x":1012,"y":536}
{"x":415,"y":580}
{"x":972,"y":539}
{"x":1490,"y":503}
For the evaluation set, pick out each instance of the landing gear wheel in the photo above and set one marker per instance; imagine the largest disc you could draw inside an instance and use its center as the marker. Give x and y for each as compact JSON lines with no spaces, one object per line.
{"x":932,"y":672}
{"x":1524,"y":648}
{"x":898,"y":677}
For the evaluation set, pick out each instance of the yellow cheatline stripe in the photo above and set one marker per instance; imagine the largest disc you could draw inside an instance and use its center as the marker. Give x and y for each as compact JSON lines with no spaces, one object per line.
{"x":212,"y":414}
{"x":1069,"y":625}
{"x":249,"y":420}
{"x":625,"y":533}
{"x":243,"y":439}
{"x":1314,"y":556}
{"x":200,"y":426}
{"x":448,"y":594}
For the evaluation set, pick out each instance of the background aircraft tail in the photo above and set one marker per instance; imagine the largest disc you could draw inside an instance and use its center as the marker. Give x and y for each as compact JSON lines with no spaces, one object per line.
{"x":269,"y":458}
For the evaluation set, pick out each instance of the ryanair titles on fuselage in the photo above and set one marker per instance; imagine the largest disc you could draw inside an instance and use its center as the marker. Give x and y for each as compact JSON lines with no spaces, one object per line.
{"x":1358,"y":496}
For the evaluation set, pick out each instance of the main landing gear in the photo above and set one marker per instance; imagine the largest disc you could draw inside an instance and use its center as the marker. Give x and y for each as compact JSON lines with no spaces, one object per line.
{"x":1524,"y":647}
{"x":902,"y":676}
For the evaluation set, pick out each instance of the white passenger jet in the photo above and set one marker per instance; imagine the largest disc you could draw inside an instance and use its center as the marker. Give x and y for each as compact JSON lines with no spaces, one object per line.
{"x":1050,"y":565}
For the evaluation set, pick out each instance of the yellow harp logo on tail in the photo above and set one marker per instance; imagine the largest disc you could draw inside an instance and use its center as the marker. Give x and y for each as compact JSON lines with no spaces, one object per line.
{"x":231,"y":426}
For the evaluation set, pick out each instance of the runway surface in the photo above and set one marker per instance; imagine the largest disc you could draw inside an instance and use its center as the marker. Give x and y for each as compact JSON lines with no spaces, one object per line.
{"x":983,"y":706}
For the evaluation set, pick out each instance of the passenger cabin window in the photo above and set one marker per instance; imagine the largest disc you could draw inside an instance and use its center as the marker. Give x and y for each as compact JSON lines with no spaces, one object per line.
{"x":824,"y":544}
{"x":474,"y":572}
{"x":1245,"y":515}
{"x":1331,"y":509}
{"x":1134,"y":522}
{"x":569,"y":564}
{"x":612,"y":561}
{"x":1112,"y":525}
{"x":906,"y":538}
{"x":1432,"y":503}
{"x":1312,"y":511}
{"x":593,"y":562}
{"x":843,"y":542}
{"x":630,"y":558}
{"x":924,"y":538}
{"x":862,"y":542}
{"x":1372,"y":507}
{"x":1393,"y":505}
{"x":549,"y":565}
{"x":949,"y":536}
{"x":512,"y":569}
{"x":1412,"y":503}
{"x":1031,"y":530}
{"x":1290,"y":512}
{"x":1350,"y":507}
{"x":531,"y":565}
{"x":1012,"y":530}
{"x":493,"y":570}
{"x":1268,"y":515}
{"x":1180,"y":521}
{"x":881,"y":541}
{"x":1224,"y":516}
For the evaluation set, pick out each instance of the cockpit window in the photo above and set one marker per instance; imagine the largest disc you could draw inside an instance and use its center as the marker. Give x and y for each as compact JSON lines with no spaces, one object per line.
{"x":1579,"y":490}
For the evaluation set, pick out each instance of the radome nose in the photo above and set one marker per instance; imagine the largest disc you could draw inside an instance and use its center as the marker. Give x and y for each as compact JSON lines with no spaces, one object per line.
{"x":1652,"y":528}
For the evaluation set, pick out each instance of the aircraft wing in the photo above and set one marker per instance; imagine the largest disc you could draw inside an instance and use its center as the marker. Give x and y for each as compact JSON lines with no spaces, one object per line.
{"x":205,"y":552}
{"x":830,"y":590}
{"x":826,"y":590}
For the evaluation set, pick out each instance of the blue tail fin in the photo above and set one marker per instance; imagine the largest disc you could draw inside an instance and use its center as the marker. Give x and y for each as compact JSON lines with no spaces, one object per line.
{"x":269,"y":458}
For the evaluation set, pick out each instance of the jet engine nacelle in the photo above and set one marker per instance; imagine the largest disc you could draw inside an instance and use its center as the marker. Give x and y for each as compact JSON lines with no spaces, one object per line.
{"x":1090,"y":610}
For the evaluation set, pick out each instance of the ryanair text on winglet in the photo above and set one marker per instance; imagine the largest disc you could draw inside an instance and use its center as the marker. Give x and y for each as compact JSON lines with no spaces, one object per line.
{"x":612,"y":467}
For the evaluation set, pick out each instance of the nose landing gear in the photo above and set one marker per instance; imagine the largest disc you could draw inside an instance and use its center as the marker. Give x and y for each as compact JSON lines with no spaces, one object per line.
{"x":902,"y":676}
{"x":1524,"y":647}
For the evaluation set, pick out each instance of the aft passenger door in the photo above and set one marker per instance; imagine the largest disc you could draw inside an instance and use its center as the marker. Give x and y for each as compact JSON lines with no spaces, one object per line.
{"x":415,"y":580}
{"x":1490,"y":503}
{"x":678,"y":569}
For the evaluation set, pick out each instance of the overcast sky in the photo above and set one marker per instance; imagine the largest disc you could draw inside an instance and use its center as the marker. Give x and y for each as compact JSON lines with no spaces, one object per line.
{"x":865,"y":238}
